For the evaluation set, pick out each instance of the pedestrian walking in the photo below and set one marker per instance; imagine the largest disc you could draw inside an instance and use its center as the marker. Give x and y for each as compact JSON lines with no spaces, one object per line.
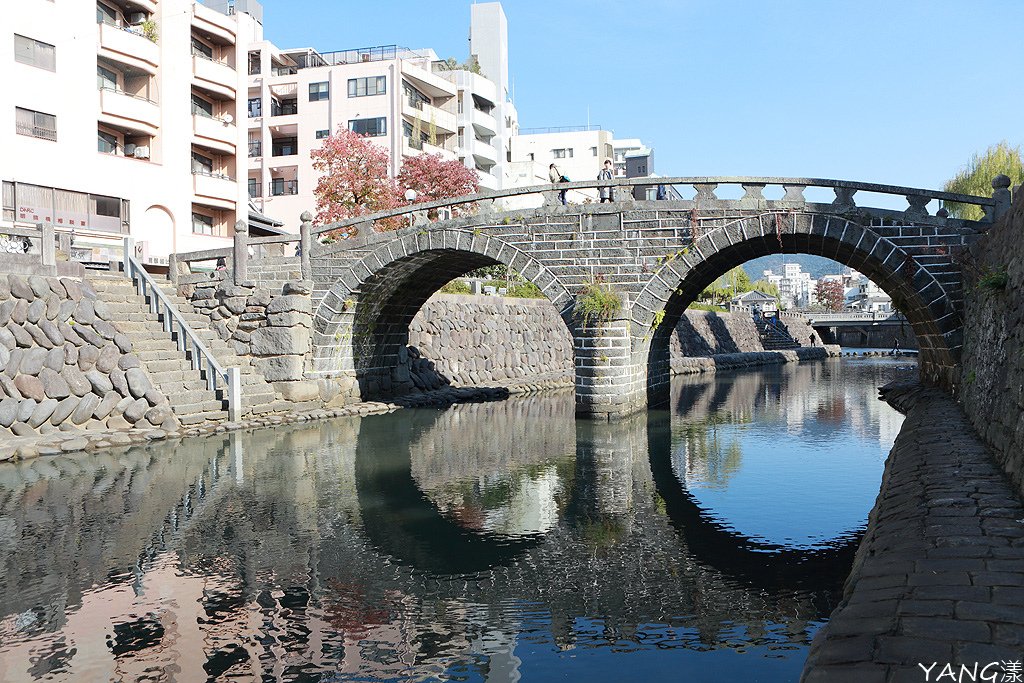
{"x":896,"y":346}
{"x":556,"y":176}
{"x":606,"y":174}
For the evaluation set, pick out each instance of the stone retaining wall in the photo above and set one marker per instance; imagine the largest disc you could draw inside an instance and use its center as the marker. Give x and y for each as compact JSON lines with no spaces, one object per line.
{"x":992,"y":377}
{"x":457,"y":339}
{"x":474,"y":339}
{"x":65,"y":366}
{"x":937,"y":577}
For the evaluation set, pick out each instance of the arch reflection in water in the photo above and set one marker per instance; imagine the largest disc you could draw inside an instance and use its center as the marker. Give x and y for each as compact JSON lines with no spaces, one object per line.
{"x":484,"y":542}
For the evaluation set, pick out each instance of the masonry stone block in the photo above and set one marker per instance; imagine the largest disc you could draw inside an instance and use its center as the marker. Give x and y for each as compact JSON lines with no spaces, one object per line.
{"x":274,"y":341}
{"x":280,"y":368}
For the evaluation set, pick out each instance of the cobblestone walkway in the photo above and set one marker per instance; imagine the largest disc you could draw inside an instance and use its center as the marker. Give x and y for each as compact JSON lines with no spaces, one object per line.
{"x":939,"y":577}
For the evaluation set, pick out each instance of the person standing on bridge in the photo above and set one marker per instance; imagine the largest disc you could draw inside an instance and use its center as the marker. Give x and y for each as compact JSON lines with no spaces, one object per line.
{"x":556,"y":176}
{"x":606,"y":174}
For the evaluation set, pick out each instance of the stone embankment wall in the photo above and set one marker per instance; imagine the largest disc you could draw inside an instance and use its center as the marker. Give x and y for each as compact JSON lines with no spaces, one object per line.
{"x":64,"y":365}
{"x":475,"y":340}
{"x":273,"y":327}
{"x":460,"y":339}
{"x":992,"y":378}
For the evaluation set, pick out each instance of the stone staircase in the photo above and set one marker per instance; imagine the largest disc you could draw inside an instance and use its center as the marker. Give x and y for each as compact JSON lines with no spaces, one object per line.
{"x":774,"y":337}
{"x":167,"y":367}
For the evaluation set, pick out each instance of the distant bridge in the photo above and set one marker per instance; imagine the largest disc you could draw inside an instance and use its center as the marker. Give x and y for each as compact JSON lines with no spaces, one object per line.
{"x":657,"y":256}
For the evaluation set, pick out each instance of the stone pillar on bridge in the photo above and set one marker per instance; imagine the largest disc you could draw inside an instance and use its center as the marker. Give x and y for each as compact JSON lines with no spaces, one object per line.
{"x":609,"y":382}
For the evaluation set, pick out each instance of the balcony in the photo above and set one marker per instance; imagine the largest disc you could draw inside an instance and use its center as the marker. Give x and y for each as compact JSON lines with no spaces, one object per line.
{"x":121,"y":110}
{"x":429,"y":114}
{"x":214,"y":190}
{"x":281,"y":188}
{"x":217,"y":26}
{"x":214,"y":133}
{"x":128,"y":46}
{"x":255,"y":148}
{"x":484,"y":153}
{"x":217,"y":77}
{"x":484,"y":123}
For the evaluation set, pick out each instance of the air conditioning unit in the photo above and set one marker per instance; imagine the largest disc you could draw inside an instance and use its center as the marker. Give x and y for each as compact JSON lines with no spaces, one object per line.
{"x":129,"y":149}
{"x":141,"y":152}
{"x":136,"y":18}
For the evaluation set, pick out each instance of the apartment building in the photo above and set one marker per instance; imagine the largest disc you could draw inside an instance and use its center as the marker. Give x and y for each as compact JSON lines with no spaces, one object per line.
{"x":298,"y":97}
{"x":796,"y":287}
{"x":407,"y":101}
{"x":122,"y":119}
{"x":579,"y":152}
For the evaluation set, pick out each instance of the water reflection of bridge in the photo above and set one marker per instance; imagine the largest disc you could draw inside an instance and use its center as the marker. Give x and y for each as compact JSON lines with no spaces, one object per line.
{"x":352,"y":539}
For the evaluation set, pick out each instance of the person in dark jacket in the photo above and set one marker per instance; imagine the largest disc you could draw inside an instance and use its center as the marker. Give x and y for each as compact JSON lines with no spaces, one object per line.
{"x":556,"y":176}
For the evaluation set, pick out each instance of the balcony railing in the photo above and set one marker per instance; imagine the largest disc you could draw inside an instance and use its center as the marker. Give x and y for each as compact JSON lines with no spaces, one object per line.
{"x":37,"y":131}
{"x":284,"y":109}
{"x":280,"y":187}
{"x":255,"y":148}
{"x":119,"y":91}
{"x":255,"y":190}
{"x":211,"y":174}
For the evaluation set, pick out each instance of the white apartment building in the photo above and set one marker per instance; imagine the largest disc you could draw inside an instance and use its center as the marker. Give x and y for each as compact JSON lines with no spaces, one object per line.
{"x":409,"y":102}
{"x":796,"y":288}
{"x":122,"y":117}
{"x":864,"y":295}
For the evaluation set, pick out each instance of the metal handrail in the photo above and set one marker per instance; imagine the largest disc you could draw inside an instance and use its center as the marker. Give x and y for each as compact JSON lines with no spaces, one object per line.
{"x":845,"y":190}
{"x":188,"y":341}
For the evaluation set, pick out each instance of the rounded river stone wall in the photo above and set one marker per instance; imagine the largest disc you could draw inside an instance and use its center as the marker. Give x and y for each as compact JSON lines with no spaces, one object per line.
{"x":64,"y":365}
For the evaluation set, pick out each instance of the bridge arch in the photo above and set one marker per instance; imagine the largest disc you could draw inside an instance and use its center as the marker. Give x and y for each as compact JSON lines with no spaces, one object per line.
{"x":361,"y":324}
{"x":915,"y":291}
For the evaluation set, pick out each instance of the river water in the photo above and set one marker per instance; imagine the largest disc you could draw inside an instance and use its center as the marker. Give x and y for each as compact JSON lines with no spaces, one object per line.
{"x":505,"y":541}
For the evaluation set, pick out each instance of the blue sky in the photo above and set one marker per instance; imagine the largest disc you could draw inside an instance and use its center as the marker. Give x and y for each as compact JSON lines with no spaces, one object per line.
{"x":890,"y":92}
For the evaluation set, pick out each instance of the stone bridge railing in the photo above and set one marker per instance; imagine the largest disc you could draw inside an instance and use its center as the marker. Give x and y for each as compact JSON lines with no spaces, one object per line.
{"x":705,"y":193}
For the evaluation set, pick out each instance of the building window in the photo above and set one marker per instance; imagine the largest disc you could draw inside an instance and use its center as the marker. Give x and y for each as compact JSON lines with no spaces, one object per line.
{"x":35,"y":53}
{"x":106,"y":143}
{"x":202,"y":164}
{"x":201,"y":49}
{"x":255,"y":107}
{"x":201,"y":107}
{"x":363,"y":87}
{"x":414,"y":97}
{"x":319,"y":91}
{"x":321,"y":134}
{"x":530,"y":156}
{"x":35,"y":124}
{"x":254,"y":187}
{"x":284,"y":107}
{"x":202,"y":225}
{"x":369,"y":127}
{"x":105,"y":15}
{"x":564,"y":153}
{"x":593,"y":151}
{"x":105,"y":78}
{"x":285,"y":147}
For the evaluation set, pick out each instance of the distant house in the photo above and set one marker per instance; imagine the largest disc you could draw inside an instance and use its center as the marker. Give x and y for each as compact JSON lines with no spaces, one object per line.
{"x":759,"y":301}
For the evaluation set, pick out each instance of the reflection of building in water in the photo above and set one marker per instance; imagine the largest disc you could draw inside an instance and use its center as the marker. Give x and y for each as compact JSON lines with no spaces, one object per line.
{"x":252,"y":556}
{"x":831,"y":392}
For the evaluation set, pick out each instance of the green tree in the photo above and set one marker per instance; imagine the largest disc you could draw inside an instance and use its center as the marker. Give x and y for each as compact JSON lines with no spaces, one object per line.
{"x":736,"y":281}
{"x":976,"y":178}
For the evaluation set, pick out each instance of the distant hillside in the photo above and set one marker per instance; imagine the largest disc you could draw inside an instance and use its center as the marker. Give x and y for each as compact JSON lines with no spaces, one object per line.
{"x":815,"y":265}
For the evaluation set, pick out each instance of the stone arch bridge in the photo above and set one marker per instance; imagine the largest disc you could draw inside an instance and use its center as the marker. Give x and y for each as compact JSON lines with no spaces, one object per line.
{"x":656,"y":256}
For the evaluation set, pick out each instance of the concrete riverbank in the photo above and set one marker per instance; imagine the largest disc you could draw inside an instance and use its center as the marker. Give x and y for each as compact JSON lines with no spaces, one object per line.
{"x":939,"y":576}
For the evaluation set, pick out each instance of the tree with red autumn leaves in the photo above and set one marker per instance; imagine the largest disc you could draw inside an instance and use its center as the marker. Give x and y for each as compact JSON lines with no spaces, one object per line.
{"x":830,"y":294}
{"x":433,"y":178}
{"x":354,"y":180}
